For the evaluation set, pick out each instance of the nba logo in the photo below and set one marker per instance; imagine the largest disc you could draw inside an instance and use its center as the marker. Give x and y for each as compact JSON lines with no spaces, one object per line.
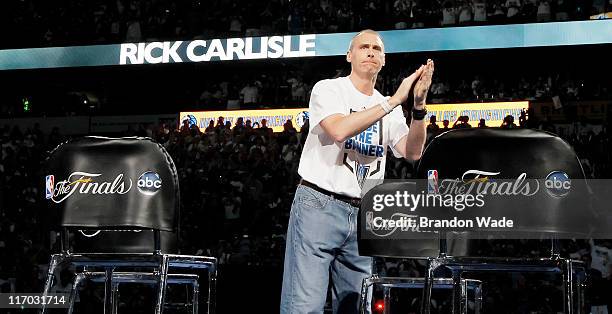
{"x":50,"y":182}
{"x":432,"y":181}
{"x":369,"y":218}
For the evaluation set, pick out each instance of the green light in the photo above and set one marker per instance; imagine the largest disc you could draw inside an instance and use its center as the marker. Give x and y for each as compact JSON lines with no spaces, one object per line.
{"x":26,"y":104}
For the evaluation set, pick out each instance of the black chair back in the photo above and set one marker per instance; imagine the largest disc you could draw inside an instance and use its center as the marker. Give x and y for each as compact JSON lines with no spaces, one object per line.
{"x":121,"y":194}
{"x":510,"y":154}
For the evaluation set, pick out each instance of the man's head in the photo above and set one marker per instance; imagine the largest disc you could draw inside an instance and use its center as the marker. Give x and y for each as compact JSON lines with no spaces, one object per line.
{"x":366,"y":53}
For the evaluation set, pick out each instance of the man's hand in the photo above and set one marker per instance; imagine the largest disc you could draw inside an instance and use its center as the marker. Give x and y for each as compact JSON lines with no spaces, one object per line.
{"x":422,"y":85}
{"x":403,"y":90}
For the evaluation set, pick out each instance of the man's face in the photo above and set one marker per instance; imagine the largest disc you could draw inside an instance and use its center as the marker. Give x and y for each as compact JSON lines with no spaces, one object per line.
{"x":367,"y":54}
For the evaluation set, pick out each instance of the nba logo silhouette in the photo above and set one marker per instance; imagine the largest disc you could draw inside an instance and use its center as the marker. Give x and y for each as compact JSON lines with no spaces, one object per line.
{"x":50,"y":182}
{"x":432,"y":181}
{"x":369,"y":218}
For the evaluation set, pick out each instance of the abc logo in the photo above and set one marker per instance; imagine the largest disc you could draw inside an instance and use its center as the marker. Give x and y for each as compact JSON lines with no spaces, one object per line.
{"x":558,"y":183}
{"x":149,"y":183}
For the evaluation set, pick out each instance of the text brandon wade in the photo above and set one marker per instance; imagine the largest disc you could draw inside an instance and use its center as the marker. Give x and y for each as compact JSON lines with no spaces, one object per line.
{"x":481,"y":222}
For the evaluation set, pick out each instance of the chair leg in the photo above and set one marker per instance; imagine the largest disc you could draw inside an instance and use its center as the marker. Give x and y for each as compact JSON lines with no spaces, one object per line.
{"x":464,"y":296}
{"x":195,"y":299}
{"x":386,"y":299}
{"x":108,"y":291}
{"x":163,"y":278}
{"x":212,"y":290}
{"x":431,"y":265}
{"x":477,"y":299}
{"x":579,"y":287}
{"x":53,"y":263}
{"x":79,"y":277}
{"x":457,"y":292}
{"x":115,"y":297}
{"x":365,"y":295}
{"x":568,"y":285}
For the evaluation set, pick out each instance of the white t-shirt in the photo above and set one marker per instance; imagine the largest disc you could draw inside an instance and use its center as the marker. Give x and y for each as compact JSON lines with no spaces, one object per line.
{"x":343,"y":167}
{"x":249,"y":93}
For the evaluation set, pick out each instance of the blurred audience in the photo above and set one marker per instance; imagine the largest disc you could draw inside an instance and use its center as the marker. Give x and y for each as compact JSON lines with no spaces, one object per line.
{"x":237,"y":185}
{"x":104,"y":21}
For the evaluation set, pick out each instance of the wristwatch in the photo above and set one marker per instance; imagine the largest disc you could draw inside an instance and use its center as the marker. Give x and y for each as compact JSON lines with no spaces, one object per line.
{"x":419,"y":114}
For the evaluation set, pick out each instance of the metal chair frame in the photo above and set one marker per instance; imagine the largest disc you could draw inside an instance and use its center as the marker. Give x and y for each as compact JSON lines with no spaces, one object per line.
{"x":420,"y":283}
{"x":150,"y":257}
{"x":130,"y":277}
{"x":567,"y":267}
{"x":158,"y":261}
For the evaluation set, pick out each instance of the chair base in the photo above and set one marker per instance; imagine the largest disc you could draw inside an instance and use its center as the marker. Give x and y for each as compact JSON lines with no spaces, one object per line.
{"x":458,"y":265}
{"x":417,"y":283}
{"x":160,"y":263}
{"x":133,"y":277}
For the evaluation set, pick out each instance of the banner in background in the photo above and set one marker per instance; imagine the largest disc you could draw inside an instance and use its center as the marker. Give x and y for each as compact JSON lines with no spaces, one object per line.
{"x":310,"y":45}
{"x":275,"y":118}
{"x":493,"y":112}
{"x":601,"y":16}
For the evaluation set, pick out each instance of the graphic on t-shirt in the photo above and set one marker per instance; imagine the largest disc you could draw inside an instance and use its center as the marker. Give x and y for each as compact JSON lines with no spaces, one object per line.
{"x":363,"y":143}
{"x":363,"y":149}
{"x":361,"y":172}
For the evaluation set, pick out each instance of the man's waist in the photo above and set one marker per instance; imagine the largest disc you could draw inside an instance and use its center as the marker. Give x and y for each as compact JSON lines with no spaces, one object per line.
{"x":353,"y":201}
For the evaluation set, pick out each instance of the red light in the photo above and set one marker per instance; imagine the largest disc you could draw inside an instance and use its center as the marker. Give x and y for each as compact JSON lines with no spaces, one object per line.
{"x":379,"y":306}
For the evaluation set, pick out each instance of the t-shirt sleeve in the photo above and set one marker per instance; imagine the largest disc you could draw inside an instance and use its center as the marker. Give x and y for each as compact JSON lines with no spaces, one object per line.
{"x":324,"y":102}
{"x":397,"y":128}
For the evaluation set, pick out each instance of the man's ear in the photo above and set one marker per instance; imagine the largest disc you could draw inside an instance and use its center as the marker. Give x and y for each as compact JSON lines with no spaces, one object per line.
{"x":348,"y":56}
{"x":383,"y":59}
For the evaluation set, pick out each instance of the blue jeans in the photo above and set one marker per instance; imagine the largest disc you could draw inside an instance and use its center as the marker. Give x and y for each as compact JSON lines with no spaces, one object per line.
{"x":322,"y":241}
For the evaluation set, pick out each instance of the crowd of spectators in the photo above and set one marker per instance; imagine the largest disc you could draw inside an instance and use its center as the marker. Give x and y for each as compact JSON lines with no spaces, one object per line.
{"x":22,"y":207}
{"x":293,"y":90}
{"x":236,"y":184}
{"x":102,"y":21}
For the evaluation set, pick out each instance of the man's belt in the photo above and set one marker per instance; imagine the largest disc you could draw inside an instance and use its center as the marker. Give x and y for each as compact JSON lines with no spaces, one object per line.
{"x":353,"y":201}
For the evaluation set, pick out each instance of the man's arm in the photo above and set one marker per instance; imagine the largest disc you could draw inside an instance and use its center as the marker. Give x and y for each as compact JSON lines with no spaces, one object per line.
{"x":411,"y":145}
{"x":340,"y":127}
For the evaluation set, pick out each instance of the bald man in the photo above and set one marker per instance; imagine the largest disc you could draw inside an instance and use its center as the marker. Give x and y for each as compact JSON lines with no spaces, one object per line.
{"x":352,"y":127}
